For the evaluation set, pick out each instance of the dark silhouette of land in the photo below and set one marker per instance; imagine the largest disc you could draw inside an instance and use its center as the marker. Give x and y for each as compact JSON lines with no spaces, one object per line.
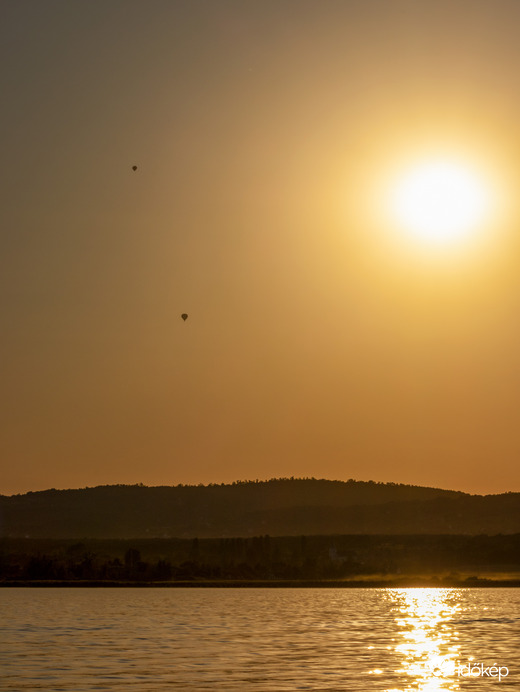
{"x":264,"y":560}
{"x":279,"y":507}
{"x":289,"y":532}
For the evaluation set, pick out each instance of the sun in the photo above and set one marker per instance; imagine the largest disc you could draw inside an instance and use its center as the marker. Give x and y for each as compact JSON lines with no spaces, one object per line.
{"x":440,"y":201}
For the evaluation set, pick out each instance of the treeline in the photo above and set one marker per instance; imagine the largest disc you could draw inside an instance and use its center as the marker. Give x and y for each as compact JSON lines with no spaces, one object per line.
{"x":279,"y":507}
{"x":258,"y":557}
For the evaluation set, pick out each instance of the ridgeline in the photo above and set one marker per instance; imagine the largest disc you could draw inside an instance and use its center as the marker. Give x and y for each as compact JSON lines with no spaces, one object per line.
{"x":278,"y":507}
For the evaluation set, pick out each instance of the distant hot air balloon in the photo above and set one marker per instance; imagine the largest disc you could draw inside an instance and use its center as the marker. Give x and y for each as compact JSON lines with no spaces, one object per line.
{"x":134,"y":168}
{"x":184,"y":316}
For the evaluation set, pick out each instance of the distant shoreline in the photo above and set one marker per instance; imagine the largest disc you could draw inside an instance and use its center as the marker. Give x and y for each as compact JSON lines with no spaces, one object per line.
{"x":274,"y":583}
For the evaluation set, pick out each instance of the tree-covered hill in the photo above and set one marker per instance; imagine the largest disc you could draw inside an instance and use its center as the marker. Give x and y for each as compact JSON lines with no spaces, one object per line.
{"x":290,"y":506}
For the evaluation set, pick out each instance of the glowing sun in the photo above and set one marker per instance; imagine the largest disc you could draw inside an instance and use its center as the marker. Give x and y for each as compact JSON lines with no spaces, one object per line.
{"x":440,"y":202}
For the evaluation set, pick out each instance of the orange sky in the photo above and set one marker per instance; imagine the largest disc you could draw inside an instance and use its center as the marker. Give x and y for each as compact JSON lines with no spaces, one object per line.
{"x":317,"y":343}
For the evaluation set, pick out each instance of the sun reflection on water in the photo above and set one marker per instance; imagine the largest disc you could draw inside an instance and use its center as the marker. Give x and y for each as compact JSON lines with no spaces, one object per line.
{"x":427,"y":641}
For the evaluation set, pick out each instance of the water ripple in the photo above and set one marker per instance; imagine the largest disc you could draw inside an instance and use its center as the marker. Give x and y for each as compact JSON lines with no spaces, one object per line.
{"x":360,"y":640}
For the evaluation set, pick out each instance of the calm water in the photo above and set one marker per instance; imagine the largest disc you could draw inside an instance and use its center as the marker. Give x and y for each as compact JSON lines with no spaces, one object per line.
{"x":259,"y":639}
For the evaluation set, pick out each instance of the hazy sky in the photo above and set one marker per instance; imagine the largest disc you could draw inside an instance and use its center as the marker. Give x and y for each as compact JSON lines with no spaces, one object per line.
{"x":319,"y":342}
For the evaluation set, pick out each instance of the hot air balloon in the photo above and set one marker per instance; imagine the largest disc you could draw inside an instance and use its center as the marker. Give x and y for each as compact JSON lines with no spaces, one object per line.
{"x":134,"y":168}
{"x":184,"y":316}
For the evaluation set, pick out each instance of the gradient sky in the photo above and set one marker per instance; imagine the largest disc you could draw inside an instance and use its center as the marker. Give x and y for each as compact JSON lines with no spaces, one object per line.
{"x":318,"y":343}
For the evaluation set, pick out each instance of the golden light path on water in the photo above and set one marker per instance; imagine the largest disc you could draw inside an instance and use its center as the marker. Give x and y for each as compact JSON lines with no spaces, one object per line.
{"x":427,"y":642}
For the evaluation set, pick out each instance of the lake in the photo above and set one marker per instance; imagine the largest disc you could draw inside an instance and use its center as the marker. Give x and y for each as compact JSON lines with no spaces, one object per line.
{"x":140,"y":640}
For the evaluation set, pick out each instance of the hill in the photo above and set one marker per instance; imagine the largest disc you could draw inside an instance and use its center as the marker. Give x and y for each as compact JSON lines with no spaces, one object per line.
{"x":279,"y":507}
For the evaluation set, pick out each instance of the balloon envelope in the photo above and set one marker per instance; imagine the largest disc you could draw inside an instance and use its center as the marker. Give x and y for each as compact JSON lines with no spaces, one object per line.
{"x":184,"y":316}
